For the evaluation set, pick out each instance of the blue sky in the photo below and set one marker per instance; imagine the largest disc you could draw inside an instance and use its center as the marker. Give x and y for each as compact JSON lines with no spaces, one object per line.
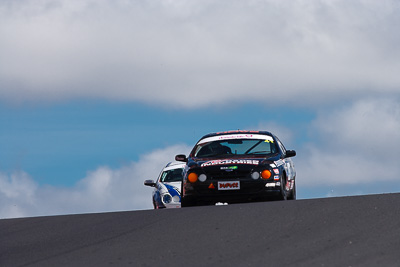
{"x":80,"y":136}
{"x":96,"y":96}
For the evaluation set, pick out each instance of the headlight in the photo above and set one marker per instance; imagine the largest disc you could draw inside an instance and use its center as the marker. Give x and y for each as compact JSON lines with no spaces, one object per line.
{"x":202,"y":177}
{"x":166,"y":199}
{"x":255,"y":175}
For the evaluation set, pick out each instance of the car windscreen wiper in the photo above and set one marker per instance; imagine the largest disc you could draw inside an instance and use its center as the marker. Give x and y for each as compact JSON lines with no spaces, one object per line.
{"x":251,"y":148}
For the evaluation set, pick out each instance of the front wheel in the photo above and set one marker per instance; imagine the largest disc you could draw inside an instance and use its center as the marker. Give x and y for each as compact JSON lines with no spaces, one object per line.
{"x":283,"y":193}
{"x":156,"y":207}
{"x":293,"y":194}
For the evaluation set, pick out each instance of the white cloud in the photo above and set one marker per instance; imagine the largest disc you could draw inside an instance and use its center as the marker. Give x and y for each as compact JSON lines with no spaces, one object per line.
{"x":308,"y":53}
{"x":284,"y":134}
{"x":102,"y":190}
{"x":369,"y":126}
{"x":353,"y":150}
{"x":354,"y":146}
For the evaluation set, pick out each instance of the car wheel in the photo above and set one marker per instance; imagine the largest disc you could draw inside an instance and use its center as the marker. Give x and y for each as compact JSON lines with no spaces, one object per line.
{"x":283,"y":193}
{"x":293,"y":194}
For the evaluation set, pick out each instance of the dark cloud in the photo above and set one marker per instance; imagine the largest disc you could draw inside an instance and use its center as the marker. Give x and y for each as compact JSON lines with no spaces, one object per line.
{"x":307,"y":53}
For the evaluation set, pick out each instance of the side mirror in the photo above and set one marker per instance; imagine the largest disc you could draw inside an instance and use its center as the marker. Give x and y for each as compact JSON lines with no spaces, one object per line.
{"x":181,"y":157}
{"x":290,"y":153}
{"x":150,"y":183}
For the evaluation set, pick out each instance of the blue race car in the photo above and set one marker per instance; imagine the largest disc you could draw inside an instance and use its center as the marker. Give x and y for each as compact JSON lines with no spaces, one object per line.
{"x":166,"y":193}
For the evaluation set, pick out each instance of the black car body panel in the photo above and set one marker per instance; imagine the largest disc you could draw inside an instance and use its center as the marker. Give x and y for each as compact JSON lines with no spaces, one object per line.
{"x":250,"y":166}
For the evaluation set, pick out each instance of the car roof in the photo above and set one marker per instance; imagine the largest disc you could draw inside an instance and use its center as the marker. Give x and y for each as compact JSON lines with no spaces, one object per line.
{"x":174,"y":165}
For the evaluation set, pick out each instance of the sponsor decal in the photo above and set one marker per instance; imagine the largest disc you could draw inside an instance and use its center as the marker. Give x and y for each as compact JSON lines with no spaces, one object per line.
{"x":276,"y":177}
{"x":279,"y":163}
{"x":240,"y":131}
{"x":272,"y":165}
{"x":230,"y":161}
{"x":276,"y":171}
{"x":270,"y":185}
{"x":266,"y":138}
{"x":234,"y":185}
{"x":229,"y":168}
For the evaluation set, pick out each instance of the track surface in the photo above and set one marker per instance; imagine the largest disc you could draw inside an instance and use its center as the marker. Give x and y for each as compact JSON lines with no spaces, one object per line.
{"x":349,"y":231}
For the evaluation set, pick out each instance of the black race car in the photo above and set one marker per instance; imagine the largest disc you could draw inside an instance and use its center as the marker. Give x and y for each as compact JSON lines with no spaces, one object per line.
{"x":237,"y":166}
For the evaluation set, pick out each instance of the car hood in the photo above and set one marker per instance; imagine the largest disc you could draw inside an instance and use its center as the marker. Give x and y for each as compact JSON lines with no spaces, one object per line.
{"x":174,"y":185}
{"x":173,"y":188}
{"x":233,"y":163}
{"x":249,"y":161}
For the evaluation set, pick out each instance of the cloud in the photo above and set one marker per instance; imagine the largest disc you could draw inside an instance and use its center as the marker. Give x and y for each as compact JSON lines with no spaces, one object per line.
{"x":102,"y":190}
{"x":284,"y":134}
{"x":212,"y":52}
{"x":370,"y":126}
{"x":353,"y":147}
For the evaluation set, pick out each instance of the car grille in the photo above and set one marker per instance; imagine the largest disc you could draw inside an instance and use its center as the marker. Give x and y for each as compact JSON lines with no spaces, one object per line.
{"x":247,"y":184}
{"x":228,"y":175}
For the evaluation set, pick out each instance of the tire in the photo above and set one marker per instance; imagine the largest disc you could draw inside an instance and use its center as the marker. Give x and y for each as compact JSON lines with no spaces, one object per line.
{"x":156,"y":206}
{"x":185,"y":201}
{"x":283,"y":194}
{"x":293,"y":194}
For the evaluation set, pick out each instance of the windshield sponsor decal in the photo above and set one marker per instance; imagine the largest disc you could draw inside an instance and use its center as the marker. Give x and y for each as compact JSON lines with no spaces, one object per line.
{"x":230,"y":161}
{"x":266,"y":138}
{"x":240,"y":131}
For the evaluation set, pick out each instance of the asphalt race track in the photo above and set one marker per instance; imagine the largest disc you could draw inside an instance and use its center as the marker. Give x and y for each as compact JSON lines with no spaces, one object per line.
{"x":348,"y":231}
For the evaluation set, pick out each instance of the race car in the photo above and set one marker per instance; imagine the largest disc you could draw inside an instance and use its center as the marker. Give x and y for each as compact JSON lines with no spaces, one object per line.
{"x":166,"y":193}
{"x":238,"y":166}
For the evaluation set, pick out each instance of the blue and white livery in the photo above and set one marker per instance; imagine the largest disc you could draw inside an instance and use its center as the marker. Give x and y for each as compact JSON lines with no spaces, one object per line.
{"x":166,"y":193}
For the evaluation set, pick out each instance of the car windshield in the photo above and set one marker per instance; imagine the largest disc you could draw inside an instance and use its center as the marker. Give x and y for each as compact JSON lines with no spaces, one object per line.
{"x":236,"y":146}
{"x":174,"y":175}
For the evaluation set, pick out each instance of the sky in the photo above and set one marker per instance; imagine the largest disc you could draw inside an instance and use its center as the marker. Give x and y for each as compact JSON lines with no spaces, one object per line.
{"x":98,"y":96}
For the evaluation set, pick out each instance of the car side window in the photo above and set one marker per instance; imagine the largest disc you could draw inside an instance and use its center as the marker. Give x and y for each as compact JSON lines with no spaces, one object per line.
{"x":281,"y":146}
